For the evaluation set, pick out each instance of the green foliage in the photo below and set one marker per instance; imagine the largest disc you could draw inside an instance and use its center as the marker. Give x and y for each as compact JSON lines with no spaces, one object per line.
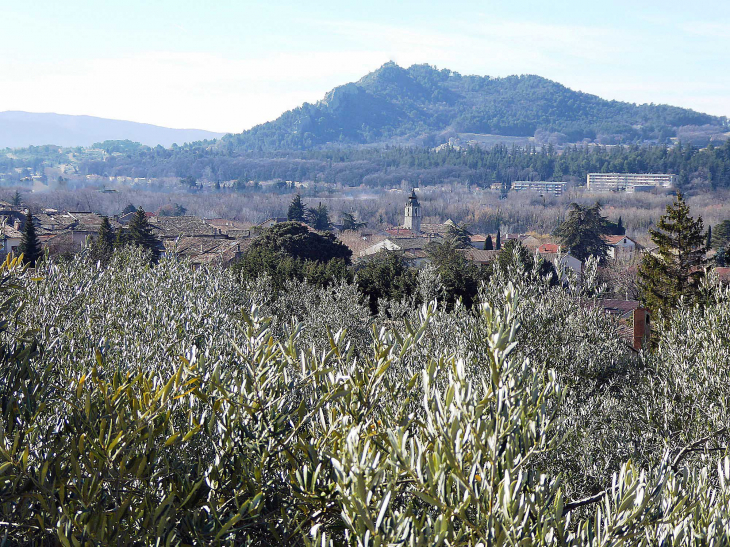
{"x":459,"y":277}
{"x":140,"y":233}
{"x":30,"y":246}
{"x":103,"y":245}
{"x":186,"y":422}
{"x":459,"y":236}
{"x":297,"y":241}
{"x":319,"y":217}
{"x":582,"y":232}
{"x":397,"y":102}
{"x":515,"y":257}
{"x":129,"y":209}
{"x":296,"y":209}
{"x":386,"y":276}
{"x":720,"y":236}
{"x":674,"y":271}
{"x":281,"y":268}
{"x":350,"y":223}
{"x":488,"y":245}
{"x":171,"y":210}
{"x":17,"y":199}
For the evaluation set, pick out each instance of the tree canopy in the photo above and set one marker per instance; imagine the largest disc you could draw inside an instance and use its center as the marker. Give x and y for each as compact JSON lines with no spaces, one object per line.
{"x":675,"y":269}
{"x":297,"y":241}
{"x":583,"y":231}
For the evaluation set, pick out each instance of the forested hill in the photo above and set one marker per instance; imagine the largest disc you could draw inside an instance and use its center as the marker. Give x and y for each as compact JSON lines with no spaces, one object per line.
{"x":423,"y":105}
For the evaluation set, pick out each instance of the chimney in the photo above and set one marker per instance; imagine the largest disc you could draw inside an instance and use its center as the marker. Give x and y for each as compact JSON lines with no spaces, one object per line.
{"x":641,"y":327}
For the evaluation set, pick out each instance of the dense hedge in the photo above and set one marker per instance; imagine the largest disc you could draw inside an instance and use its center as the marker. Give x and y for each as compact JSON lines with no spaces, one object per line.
{"x":166,"y":405}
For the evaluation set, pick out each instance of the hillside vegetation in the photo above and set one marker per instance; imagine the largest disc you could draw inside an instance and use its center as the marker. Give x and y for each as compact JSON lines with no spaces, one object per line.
{"x":428,"y":105}
{"x":165,"y":405}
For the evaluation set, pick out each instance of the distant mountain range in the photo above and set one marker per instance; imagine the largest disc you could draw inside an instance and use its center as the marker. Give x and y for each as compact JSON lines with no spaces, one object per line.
{"x":20,"y":129}
{"x":423,"y":105}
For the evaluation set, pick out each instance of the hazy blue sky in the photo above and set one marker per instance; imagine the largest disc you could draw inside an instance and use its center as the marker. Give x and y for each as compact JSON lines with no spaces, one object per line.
{"x":225,"y":65}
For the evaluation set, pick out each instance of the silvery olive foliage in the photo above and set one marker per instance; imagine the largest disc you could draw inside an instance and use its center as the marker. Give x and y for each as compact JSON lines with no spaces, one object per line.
{"x":170,"y":405}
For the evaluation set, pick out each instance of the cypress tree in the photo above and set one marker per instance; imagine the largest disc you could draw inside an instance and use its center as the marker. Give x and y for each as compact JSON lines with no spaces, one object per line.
{"x":675,"y":270}
{"x":103,"y":246}
{"x":30,"y":247}
{"x":296,"y":209}
{"x":488,"y":245}
{"x":498,"y":246}
{"x":140,"y":233}
{"x":708,"y":243}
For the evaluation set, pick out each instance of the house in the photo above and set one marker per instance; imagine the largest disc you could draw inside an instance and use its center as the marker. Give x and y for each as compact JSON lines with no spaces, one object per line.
{"x":206,"y":249}
{"x":272,"y":221}
{"x":11,"y":237}
{"x":620,"y":244}
{"x":553,"y":254}
{"x":529,"y":241}
{"x":413,"y":248}
{"x":182,"y":226}
{"x":480,"y":256}
{"x":634,"y":321}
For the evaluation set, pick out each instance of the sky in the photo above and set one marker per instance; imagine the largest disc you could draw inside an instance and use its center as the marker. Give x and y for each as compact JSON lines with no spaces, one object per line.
{"x":229,"y":65}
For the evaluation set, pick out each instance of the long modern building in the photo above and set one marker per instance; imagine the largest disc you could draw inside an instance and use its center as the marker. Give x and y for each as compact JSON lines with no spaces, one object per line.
{"x":555,"y":188}
{"x":623,"y":182}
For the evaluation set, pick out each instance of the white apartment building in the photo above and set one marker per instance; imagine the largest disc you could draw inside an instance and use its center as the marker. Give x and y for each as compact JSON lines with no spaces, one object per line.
{"x":555,"y":188}
{"x":626,"y":182}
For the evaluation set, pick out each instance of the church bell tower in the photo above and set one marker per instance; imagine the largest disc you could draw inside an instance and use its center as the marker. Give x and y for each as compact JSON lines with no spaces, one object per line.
{"x":413,"y":214}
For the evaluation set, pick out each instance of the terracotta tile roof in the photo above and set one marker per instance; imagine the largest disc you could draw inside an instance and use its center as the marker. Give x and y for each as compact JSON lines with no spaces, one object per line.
{"x":480,"y":256}
{"x":206,"y":250}
{"x":549,"y":248}
{"x":723,"y":274}
{"x":174,"y":227}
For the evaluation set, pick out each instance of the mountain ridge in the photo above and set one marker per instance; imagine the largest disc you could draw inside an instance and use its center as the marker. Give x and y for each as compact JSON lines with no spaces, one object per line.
{"x":20,"y":129}
{"x":426,"y":106}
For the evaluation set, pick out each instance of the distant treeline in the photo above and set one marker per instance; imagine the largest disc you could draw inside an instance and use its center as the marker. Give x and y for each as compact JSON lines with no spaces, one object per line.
{"x":390,"y":166}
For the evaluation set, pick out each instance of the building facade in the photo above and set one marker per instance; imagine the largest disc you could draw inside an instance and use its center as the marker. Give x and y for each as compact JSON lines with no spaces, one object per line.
{"x":554,"y":188}
{"x":627,"y":182}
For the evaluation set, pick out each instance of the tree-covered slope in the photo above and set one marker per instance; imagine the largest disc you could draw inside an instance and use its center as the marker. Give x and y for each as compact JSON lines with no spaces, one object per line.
{"x":424,"y":103}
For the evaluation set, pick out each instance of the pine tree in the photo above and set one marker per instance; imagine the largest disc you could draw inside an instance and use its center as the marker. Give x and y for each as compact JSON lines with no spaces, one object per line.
{"x":488,"y":245}
{"x":319,"y":217}
{"x":350,"y":223}
{"x":583,"y":231}
{"x":140,"y":233}
{"x":17,"y":200}
{"x":29,"y":247}
{"x":103,"y":246}
{"x":708,"y":243}
{"x":675,"y":270}
{"x":296,"y":209}
{"x":498,"y":246}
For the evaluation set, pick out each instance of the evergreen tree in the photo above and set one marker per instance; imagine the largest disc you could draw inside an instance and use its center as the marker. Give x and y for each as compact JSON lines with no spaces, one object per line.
{"x":129,"y":209}
{"x":349,"y":222}
{"x":583,"y":232}
{"x":103,"y":246}
{"x":708,"y":243}
{"x":459,"y":236}
{"x":498,"y":246}
{"x":121,"y":238}
{"x":488,"y":245}
{"x":30,"y":246}
{"x":140,"y":233}
{"x":621,"y":231}
{"x":17,"y":200}
{"x":675,"y":269}
{"x":721,"y":235}
{"x":296,"y":209}
{"x":319,"y":217}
